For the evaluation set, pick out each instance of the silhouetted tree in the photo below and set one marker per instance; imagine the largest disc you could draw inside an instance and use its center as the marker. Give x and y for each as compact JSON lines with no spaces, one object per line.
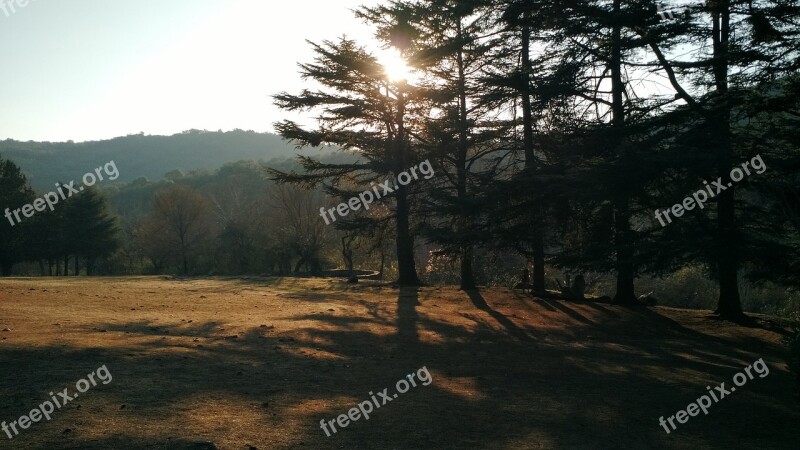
{"x":360,"y":110}
{"x":445,"y":40}
{"x":748,"y":44}
{"x":92,"y":231}
{"x":14,"y":193}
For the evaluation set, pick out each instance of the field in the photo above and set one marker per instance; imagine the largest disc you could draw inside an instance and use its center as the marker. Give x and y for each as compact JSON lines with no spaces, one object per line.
{"x":257,"y":363}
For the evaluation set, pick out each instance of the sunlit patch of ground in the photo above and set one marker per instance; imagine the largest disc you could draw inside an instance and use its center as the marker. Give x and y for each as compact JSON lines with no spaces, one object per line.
{"x":257,"y":363}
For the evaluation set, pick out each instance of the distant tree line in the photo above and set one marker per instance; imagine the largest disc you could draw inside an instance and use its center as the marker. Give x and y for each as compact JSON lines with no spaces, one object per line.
{"x":234,"y":221}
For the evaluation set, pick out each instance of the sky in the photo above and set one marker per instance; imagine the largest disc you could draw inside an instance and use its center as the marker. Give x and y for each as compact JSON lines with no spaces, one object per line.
{"x":86,"y":70}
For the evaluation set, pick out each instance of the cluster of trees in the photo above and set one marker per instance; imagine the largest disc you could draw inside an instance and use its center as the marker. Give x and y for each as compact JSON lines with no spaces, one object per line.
{"x":77,"y":233}
{"x":557,"y":128}
{"x":233,"y":221}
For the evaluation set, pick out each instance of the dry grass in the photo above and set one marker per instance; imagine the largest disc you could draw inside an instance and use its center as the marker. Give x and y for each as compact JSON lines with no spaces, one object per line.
{"x":256,"y":363}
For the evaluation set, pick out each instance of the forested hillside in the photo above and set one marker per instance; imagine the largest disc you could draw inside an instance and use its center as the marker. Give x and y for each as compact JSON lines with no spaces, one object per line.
{"x":140,"y":155}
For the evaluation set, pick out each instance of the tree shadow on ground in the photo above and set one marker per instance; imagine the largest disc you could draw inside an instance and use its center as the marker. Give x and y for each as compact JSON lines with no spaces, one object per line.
{"x":479,"y":302}
{"x":491,"y":388}
{"x":407,"y":318}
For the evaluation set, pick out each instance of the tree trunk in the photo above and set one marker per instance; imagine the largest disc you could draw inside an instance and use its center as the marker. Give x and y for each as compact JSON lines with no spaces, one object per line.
{"x":348,"y":262}
{"x":185,"y":259}
{"x":467,"y":275}
{"x":299,"y":265}
{"x":406,"y":265}
{"x":626,"y":272}
{"x":6,"y":267}
{"x":530,"y":163}
{"x":538,"y":262}
{"x":66,"y":265}
{"x":622,"y":217}
{"x":41,"y":267}
{"x":405,"y":242}
{"x":347,"y":254}
{"x":77,"y":266}
{"x":315,"y":267}
{"x":729,"y":306}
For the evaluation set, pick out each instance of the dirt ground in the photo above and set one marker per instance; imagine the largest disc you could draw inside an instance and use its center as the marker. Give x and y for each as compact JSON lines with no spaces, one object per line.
{"x":257,"y":363}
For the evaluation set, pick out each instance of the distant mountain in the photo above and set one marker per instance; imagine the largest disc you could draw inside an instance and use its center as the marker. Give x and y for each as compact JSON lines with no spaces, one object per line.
{"x":137,"y":156}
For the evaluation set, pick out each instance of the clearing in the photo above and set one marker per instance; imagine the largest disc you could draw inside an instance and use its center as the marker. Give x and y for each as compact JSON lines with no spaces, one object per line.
{"x":257,"y":363}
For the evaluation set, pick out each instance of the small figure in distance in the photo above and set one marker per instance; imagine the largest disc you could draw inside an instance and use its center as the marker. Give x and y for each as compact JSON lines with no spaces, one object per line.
{"x":573,"y":290}
{"x":579,"y":288}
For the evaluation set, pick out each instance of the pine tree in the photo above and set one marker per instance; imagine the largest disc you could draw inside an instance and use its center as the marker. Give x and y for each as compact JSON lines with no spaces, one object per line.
{"x":576,"y":82}
{"x":361,"y":110}
{"x":14,"y":193}
{"x":511,"y":82}
{"x":446,"y":41}
{"x":751,"y":45}
{"x":91,"y":230}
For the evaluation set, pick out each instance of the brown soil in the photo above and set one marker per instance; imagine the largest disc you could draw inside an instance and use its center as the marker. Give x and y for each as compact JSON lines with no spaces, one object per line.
{"x":257,"y":363}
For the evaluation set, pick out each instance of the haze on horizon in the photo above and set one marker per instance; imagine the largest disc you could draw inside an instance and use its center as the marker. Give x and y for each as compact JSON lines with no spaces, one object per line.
{"x":86,"y":70}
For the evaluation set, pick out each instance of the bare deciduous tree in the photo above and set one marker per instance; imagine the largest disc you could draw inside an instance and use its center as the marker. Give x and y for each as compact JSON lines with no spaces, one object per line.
{"x":180,"y":220}
{"x":296,"y":218}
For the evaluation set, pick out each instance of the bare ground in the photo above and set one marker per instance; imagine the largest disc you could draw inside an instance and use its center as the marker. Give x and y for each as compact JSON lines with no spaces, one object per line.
{"x":257,"y":363}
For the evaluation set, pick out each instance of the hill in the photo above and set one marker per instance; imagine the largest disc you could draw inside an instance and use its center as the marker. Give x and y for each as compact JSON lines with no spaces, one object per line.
{"x":139,"y":156}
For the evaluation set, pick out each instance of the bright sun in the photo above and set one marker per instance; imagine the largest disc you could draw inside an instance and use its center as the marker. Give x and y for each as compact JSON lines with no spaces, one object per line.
{"x":394,"y":65}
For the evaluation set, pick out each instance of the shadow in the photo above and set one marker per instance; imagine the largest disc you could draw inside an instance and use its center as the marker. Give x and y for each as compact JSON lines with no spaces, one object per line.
{"x":562,"y":306}
{"x":268,"y":388}
{"x":146,"y":327}
{"x":782,"y":328}
{"x":479,"y":302}
{"x":407,"y":302}
{"x":544,"y":303}
{"x":602,"y":309}
{"x":123,"y":441}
